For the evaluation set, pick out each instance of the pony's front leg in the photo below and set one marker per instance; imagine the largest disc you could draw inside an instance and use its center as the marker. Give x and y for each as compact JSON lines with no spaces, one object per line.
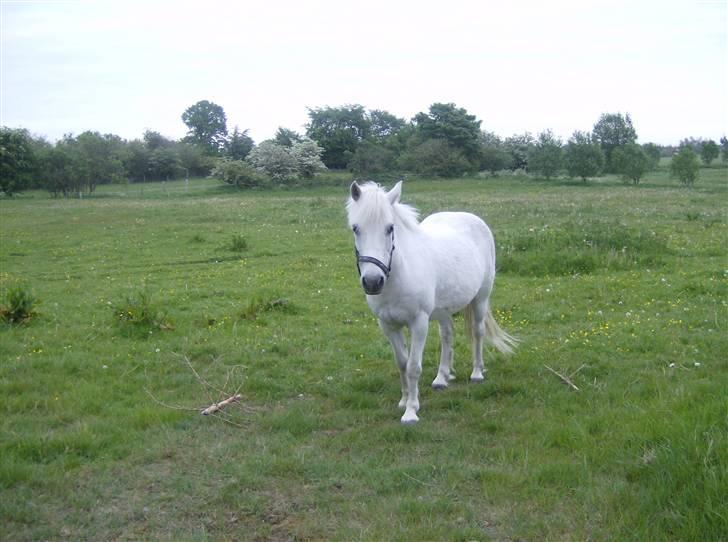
{"x":418,"y":331}
{"x":399,"y":347}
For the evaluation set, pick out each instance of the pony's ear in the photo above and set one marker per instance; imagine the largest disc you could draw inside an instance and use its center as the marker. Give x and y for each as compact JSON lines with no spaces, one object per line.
{"x":355,"y":191}
{"x":394,"y":194}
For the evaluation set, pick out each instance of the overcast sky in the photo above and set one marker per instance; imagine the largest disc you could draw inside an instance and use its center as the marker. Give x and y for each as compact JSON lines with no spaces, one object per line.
{"x":123,"y":66}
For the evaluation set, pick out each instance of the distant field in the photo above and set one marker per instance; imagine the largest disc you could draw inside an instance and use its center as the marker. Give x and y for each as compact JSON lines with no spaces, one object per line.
{"x":625,"y":288}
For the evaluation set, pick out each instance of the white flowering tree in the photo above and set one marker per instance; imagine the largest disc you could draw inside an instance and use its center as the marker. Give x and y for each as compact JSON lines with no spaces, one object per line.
{"x":307,"y":154}
{"x":274,"y":160}
{"x":285,"y":164}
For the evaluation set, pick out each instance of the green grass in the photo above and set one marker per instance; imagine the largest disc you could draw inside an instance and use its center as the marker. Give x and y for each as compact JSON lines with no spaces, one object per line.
{"x":625,"y":287}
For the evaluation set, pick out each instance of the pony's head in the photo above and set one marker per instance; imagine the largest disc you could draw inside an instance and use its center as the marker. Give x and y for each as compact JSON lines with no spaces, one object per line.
{"x":372,"y":216}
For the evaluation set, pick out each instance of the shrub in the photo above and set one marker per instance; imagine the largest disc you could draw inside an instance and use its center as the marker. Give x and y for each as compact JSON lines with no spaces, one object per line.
{"x":18,"y":307}
{"x":238,"y":243}
{"x":138,"y":313}
{"x":238,"y":173}
{"x":685,"y":166}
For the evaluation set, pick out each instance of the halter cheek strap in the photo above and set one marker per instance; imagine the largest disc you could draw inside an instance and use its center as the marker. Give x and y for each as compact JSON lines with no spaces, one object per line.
{"x":386,"y":268}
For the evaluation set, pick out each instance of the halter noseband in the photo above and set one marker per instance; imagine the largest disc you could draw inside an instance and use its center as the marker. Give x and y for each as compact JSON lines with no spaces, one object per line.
{"x":386,"y":268}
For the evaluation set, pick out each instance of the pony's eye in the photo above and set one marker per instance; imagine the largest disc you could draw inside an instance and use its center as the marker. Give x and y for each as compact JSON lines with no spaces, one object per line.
{"x":389,"y":229}
{"x":355,"y":229}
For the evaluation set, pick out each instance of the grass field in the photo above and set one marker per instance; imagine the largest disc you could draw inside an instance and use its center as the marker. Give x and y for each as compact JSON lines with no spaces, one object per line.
{"x":145,"y":294}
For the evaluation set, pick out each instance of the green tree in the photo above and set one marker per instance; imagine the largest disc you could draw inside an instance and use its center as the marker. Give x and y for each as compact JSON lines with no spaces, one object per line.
{"x":384,"y":125}
{"x":631,"y":162}
{"x":238,"y":145}
{"x":494,"y":155}
{"x":154,"y":140}
{"x":286,"y":137}
{"x":613,"y":130}
{"x":518,"y":146}
{"x":546,"y":157}
{"x":724,"y":149}
{"x":18,"y":161}
{"x":207,"y":126}
{"x":685,"y":166}
{"x":436,"y":158}
{"x":194,"y":160}
{"x":452,"y":124}
{"x":100,"y":158}
{"x":338,"y":131}
{"x":60,"y":171}
{"x":709,"y":151}
{"x":372,"y":158}
{"x":583,"y":157}
{"x":238,"y":173}
{"x":654,"y":152}
{"x":136,"y":160}
{"x":164,"y":164}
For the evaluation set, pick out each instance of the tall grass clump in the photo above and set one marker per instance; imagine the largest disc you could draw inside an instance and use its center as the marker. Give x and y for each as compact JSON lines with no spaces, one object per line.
{"x":238,"y":243}
{"x":18,"y":306}
{"x":258,"y":306}
{"x":137,"y":314}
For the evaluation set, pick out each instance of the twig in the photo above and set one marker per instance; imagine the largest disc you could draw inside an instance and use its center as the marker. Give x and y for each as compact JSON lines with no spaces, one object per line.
{"x":228,"y":420}
{"x":165,"y":405}
{"x":201,"y":380}
{"x":416,"y":480}
{"x":565,"y":378}
{"x":222,"y":404}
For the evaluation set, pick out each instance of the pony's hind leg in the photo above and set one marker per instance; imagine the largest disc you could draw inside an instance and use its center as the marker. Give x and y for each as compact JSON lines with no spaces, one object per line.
{"x":479,"y":308}
{"x":445,"y":372}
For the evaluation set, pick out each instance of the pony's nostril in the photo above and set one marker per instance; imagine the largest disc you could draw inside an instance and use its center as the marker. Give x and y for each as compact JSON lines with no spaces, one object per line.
{"x":372,"y":284}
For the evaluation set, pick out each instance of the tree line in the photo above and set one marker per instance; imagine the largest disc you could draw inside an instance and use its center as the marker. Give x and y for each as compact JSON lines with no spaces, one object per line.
{"x":445,"y":141}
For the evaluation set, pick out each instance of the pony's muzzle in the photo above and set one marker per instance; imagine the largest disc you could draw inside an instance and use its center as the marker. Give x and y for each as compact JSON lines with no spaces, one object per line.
{"x":373,"y":284}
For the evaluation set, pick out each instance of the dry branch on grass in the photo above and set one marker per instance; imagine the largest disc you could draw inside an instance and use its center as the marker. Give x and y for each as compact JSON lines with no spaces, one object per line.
{"x":225,"y":397}
{"x":566,"y":379}
{"x":222,"y":404}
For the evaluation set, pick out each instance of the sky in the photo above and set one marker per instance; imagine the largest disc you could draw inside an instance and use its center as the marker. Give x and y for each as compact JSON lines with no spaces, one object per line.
{"x":125,"y":67}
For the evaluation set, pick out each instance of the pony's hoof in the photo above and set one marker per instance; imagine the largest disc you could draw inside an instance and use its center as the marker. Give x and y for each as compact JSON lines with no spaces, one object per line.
{"x":439,"y":386}
{"x":409,"y":418}
{"x":477,"y":379}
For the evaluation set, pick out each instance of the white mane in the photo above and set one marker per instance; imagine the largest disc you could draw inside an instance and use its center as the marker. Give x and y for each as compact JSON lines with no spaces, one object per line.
{"x":373,"y":206}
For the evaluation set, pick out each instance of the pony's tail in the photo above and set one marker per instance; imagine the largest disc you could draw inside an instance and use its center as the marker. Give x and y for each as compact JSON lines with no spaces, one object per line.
{"x":494,"y":334}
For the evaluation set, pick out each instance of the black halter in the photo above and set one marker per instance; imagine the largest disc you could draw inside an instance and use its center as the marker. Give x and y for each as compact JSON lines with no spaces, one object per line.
{"x":386,"y":268}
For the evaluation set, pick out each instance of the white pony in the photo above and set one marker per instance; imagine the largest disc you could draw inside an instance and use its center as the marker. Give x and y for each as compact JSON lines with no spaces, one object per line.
{"x":413,"y":272}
